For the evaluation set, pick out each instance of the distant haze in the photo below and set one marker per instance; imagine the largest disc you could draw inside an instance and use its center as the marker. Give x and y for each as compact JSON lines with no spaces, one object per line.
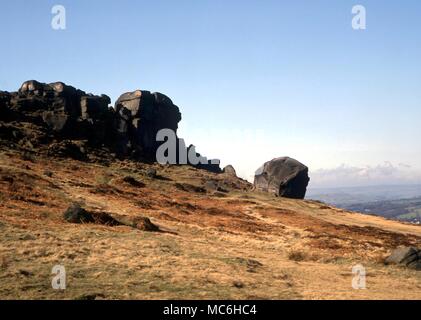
{"x":352,"y":195}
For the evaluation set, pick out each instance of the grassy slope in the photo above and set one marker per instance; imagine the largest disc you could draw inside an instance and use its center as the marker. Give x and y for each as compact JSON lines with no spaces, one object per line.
{"x":239,"y":245}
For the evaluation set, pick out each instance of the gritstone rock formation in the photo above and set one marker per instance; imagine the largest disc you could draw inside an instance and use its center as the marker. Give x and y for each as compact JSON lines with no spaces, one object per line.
{"x":65,"y":121}
{"x":58,"y":111}
{"x":141,"y":114}
{"x":284,"y":177}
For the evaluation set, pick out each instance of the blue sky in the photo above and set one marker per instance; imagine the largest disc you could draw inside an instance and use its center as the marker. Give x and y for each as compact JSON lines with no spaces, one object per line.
{"x":254,"y":79}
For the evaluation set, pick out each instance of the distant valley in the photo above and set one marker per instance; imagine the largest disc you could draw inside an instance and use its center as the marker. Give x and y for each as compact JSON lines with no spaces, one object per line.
{"x":399,"y":202}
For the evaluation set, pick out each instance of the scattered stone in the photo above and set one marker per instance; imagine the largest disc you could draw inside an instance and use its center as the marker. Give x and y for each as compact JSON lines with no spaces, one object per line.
{"x":106,"y":219}
{"x":28,"y":156}
{"x":133,"y":182}
{"x":145,"y":224}
{"x":67,"y":148}
{"x":48,"y":173}
{"x":406,"y":256}
{"x":219,"y":194}
{"x":238,"y":284}
{"x":7,"y":178}
{"x":229,"y":170}
{"x":211,"y":185}
{"x":221,"y":189}
{"x":90,"y":296}
{"x":214,"y":185}
{"x":27,"y":237}
{"x":151,"y":173}
{"x":26,"y":273}
{"x":284,"y":177}
{"x":189,"y":188}
{"x":76,"y":214}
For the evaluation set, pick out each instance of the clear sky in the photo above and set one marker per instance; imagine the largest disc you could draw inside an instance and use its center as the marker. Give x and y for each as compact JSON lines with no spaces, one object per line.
{"x":254,"y":79}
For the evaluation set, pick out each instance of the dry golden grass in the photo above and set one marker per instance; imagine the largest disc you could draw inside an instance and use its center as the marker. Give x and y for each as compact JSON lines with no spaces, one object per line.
{"x":236,"y":245}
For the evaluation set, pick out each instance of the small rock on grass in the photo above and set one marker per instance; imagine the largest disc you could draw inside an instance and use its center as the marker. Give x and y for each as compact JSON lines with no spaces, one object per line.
{"x":76,"y":214}
{"x":406,"y":256}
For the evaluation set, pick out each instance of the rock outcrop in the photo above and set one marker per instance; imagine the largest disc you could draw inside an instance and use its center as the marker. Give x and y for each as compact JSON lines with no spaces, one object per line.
{"x":406,"y":256}
{"x":59,"y":110}
{"x":66,"y":121}
{"x":141,"y":114}
{"x":284,"y":177}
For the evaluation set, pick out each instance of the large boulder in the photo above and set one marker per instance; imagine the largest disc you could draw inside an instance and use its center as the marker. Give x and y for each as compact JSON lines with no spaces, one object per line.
{"x":141,"y":114}
{"x":154,"y":107}
{"x":284,"y":177}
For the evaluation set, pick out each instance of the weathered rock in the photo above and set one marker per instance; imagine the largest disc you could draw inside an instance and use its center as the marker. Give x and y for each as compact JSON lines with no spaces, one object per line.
{"x":76,"y":214}
{"x":141,"y":115}
{"x":65,"y":110}
{"x":144,"y":224}
{"x":63,"y":113}
{"x":139,"y":102}
{"x":162,"y":99}
{"x":416,"y":265}
{"x":151,"y":173}
{"x":61,"y":89}
{"x":4,"y":98}
{"x":406,"y":256}
{"x":133,"y":181}
{"x":31,"y":87}
{"x":189,"y":188}
{"x":55,"y":121}
{"x":4,"y":105}
{"x":68,"y":149}
{"x":48,"y":173}
{"x":211,"y":185}
{"x":284,"y":177}
{"x":93,"y":106}
{"x":229,"y":169}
